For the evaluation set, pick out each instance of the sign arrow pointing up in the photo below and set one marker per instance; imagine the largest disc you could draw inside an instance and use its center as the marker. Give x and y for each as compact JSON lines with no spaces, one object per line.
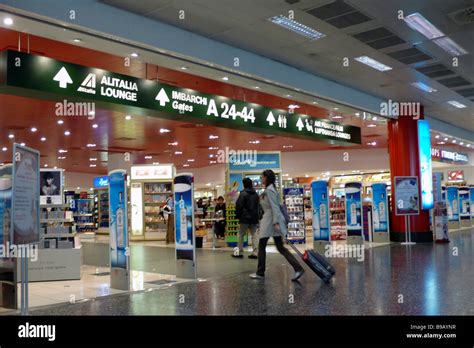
{"x":62,"y":77}
{"x":162,"y":97}
{"x":300,"y":124}
{"x":271,"y":119}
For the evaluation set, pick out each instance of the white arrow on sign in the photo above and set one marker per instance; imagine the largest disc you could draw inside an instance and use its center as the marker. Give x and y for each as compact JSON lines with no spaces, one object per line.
{"x":271,"y":119}
{"x":300,"y":124}
{"x":62,"y":77}
{"x":162,"y":97}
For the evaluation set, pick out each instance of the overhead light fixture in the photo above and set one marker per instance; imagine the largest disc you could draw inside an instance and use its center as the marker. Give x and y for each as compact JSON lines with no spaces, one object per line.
{"x":148,"y":157}
{"x":208,"y":184}
{"x":456,"y":104}
{"x":92,"y":159}
{"x":315,"y":102}
{"x":454,"y":141}
{"x":185,"y":165}
{"x":461,"y":143}
{"x":95,"y":125}
{"x":445,"y":139}
{"x":8,"y":21}
{"x":128,"y":117}
{"x":178,"y":153}
{"x":287,"y":146}
{"x":337,"y":117}
{"x":212,"y":137}
{"x":67,"y":133}
{"x":90,"y":145}
{"x":62,"y":151}
{"x":256,"y":87}
{"x":254,"y":142}
{"x":11,"y":136}
{"x":211,"y":156}
{"x":372,"y":143}
{"x":288,"y":95}
{"x":212,"y":162}
{"x":34,"y":129}
{"x":213,"y":148}
{"x":43,"y":138}
{"x":468,"y":145}
{"x":173,"y":144}
{"x":374,"y":64}
{"x":371,"y":125}
{"x":60,"y":121}
{"x":296,"y":27}
{"x":45,"y":165}
{"x":184,"y":68}
{"x":225,"y":78}
{"x":424,"y":87}
{"x":164,"y":130}
{"x":77,"y":40}
{"x":437,"y":136}
{"x":156,"y":163}
{"x":374,"y":118}
{"x":191,"y":160}
{"x":23,"y":144}
{"x":450,"y":46}
{"x":4,"y":149}
{"x":78,"y":188}
{"x":134,"y":55}
{"x":357,"y":114}
{"x":306,"y":176}
{"x":417,"y":22}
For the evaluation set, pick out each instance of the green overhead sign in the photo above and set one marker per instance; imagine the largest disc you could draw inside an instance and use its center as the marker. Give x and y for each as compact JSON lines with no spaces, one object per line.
{"x":42,"y":77}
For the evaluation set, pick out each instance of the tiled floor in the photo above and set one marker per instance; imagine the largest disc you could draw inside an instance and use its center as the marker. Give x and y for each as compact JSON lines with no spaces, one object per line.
{"x":93,"y":283}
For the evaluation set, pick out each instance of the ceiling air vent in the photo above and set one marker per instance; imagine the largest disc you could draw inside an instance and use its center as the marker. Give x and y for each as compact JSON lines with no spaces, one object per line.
{"x":454,"y":82}
{"x":379,"y":38}
{"x":409,"y":56}
{"x":339,"y":14}
{"x":436,"y":70}
{"x":464,"y":16}
{"x":468,"y":92}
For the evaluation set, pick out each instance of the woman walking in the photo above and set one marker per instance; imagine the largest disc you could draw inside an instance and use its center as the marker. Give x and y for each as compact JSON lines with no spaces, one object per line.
{"x":272,"y":224}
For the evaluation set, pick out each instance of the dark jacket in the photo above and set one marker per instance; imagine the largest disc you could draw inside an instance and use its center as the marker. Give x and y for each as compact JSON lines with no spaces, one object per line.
{"x":246,"y":207}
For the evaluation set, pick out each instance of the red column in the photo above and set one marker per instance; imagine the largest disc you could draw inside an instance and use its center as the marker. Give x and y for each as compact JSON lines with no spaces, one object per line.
{"x":403,"y":150}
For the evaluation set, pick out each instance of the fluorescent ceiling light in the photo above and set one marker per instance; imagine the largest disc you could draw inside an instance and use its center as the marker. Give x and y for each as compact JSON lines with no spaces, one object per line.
{"x":373,"y":63}
{"x":419,"y":23}
{"x":297,"y":27}
{"x":456,"y":104}
{"x":424,"y":87}
{"x":450,"y":46}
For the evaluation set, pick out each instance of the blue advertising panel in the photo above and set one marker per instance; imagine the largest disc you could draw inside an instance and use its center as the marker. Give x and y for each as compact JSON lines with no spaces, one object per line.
{"x":235,"y":186}
{"x":118,"y":219}
{"x":379,"y":207}
{"x":5,"y":202}
{"x":406,"y":192}
{"x":424,"y":152}
{"x":320,"y":202}
{"x":464,"y":203}
{"x":101,"y":182}
{"x":471,"y":195}
{"x":25,"y":222}
{"x":253,"y":160}
{"x":452,"y":194}
{"x":437,"y":187}
{"x":354,"y":208}
{"x":184,"y":216}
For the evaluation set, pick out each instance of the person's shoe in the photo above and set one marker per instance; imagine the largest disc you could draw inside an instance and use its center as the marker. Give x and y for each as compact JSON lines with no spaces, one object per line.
{"x":297,"y":275}
{"x":252,"y":256}
{"x":239,"y":256}
{"x":256,"y":276}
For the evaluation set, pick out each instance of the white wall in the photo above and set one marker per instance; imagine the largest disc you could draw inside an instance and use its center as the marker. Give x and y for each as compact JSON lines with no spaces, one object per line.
{"x":82,"y":180}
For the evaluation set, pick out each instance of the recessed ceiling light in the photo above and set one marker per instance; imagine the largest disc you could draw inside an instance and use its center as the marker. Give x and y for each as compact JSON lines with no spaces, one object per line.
{"x":289,"y":95}
{"x":371,"y":125}
{"x":337,"y":117}
{"x":423,"y":86}
{"x":468,"y":145}
{"x":461,"y":143}
{"x":55,"y":167}
{"x":8,"y":21}
{"x":62,"y":151}
{"x":128,"y":117}
{"x":213,"y":148}
{"x":454,"y":141}
{"x":77,"y":40}
{"x":254,"y":142}
{"x":256,"y":87}
{"x":297,"y":27}
{"x":67,"y":133}
{"x":211,"y":156}
{"x":78,"y":188}
{"x":92,"y":165}
{"x":92,"y":159}
{"x":441,"y":143}
{"x":374,"y":64}
{"x":148,"y":157}
{"x":208,"y":184}
{"x":4,"y":149}
{"x":456,"y":104}
{"x":191,"y":160}
{"x":134,"y":54}
{"x":11,"y":136}
{"x":357,"y":114}
{"x":213,"y":137}
{"x":373,"y":143}
{"x":184,"y":68}
{"x":46,"y":165}
{"x":156,"y":163}
{"x":173,"y":144}
{"x":445,"y":139}
{"x":23,"y":144}
{"x":336,"y":108}
{"x":225,"y":78}
{"x":164,"y":130}
{"x":374,"y":118}
{"x":185,"y":165}
{"x":178,"y":153}
{"x":306,"y":176}
{"x":43,"y":138}
{"x":212,"y":162}
{"x":34,"y":129}
{"x":95,"y":125}
{"x":315,"y":102}
{"x":287,"y":146}
{"x":60,"y":121}
{"x":90,"y":145}
{"x":437,"y":136}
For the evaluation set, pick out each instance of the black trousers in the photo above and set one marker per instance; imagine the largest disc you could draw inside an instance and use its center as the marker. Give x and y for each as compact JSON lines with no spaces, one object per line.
{"x":281,"y":249}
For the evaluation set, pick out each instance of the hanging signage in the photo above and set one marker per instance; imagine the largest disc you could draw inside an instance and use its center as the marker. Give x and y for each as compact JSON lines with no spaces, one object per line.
{"x":437,"y":187}
{"x":407,"y":201}
{"x":424,"y":157}
{"x":353,"y":208}
{"x":379,"y":207}
{"x":184,"y":225}
{"x":320,"y":202}
{"x":456,"y":175}
{"x":253,"y":160}
{"x":464,"y":204}
{"x":152,"y":172}
{"x":55,"y":78}
{"x":101,"y":182}
{"x":25,"y":221}
{"x":452,"y":193}
{"x":118,"y":219}
{"x":235,"y":186}
{"x":450,"y":157}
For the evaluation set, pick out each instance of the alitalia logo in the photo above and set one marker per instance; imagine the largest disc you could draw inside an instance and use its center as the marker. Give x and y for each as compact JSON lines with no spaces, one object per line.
{"x":88,"y":85}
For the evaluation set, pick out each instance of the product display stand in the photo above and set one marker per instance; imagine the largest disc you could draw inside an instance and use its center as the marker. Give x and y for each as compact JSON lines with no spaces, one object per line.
{"x":407,"y":232}
{"x":295,"y":207}
{"x":102,"y":211}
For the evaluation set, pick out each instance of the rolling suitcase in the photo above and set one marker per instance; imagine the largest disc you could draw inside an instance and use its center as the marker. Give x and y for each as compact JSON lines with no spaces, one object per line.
{"x":317,"y":263}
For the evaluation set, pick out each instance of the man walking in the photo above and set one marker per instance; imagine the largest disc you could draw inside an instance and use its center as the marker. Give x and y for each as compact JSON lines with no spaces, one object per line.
{"x":246,"y":210}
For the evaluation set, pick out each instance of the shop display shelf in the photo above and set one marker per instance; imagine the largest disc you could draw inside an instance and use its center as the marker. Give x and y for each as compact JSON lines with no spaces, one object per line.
{"x":44,"y":221}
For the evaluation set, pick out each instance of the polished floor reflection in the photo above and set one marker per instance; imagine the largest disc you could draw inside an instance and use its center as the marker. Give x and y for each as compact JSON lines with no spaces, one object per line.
{"x":423,"y":279}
